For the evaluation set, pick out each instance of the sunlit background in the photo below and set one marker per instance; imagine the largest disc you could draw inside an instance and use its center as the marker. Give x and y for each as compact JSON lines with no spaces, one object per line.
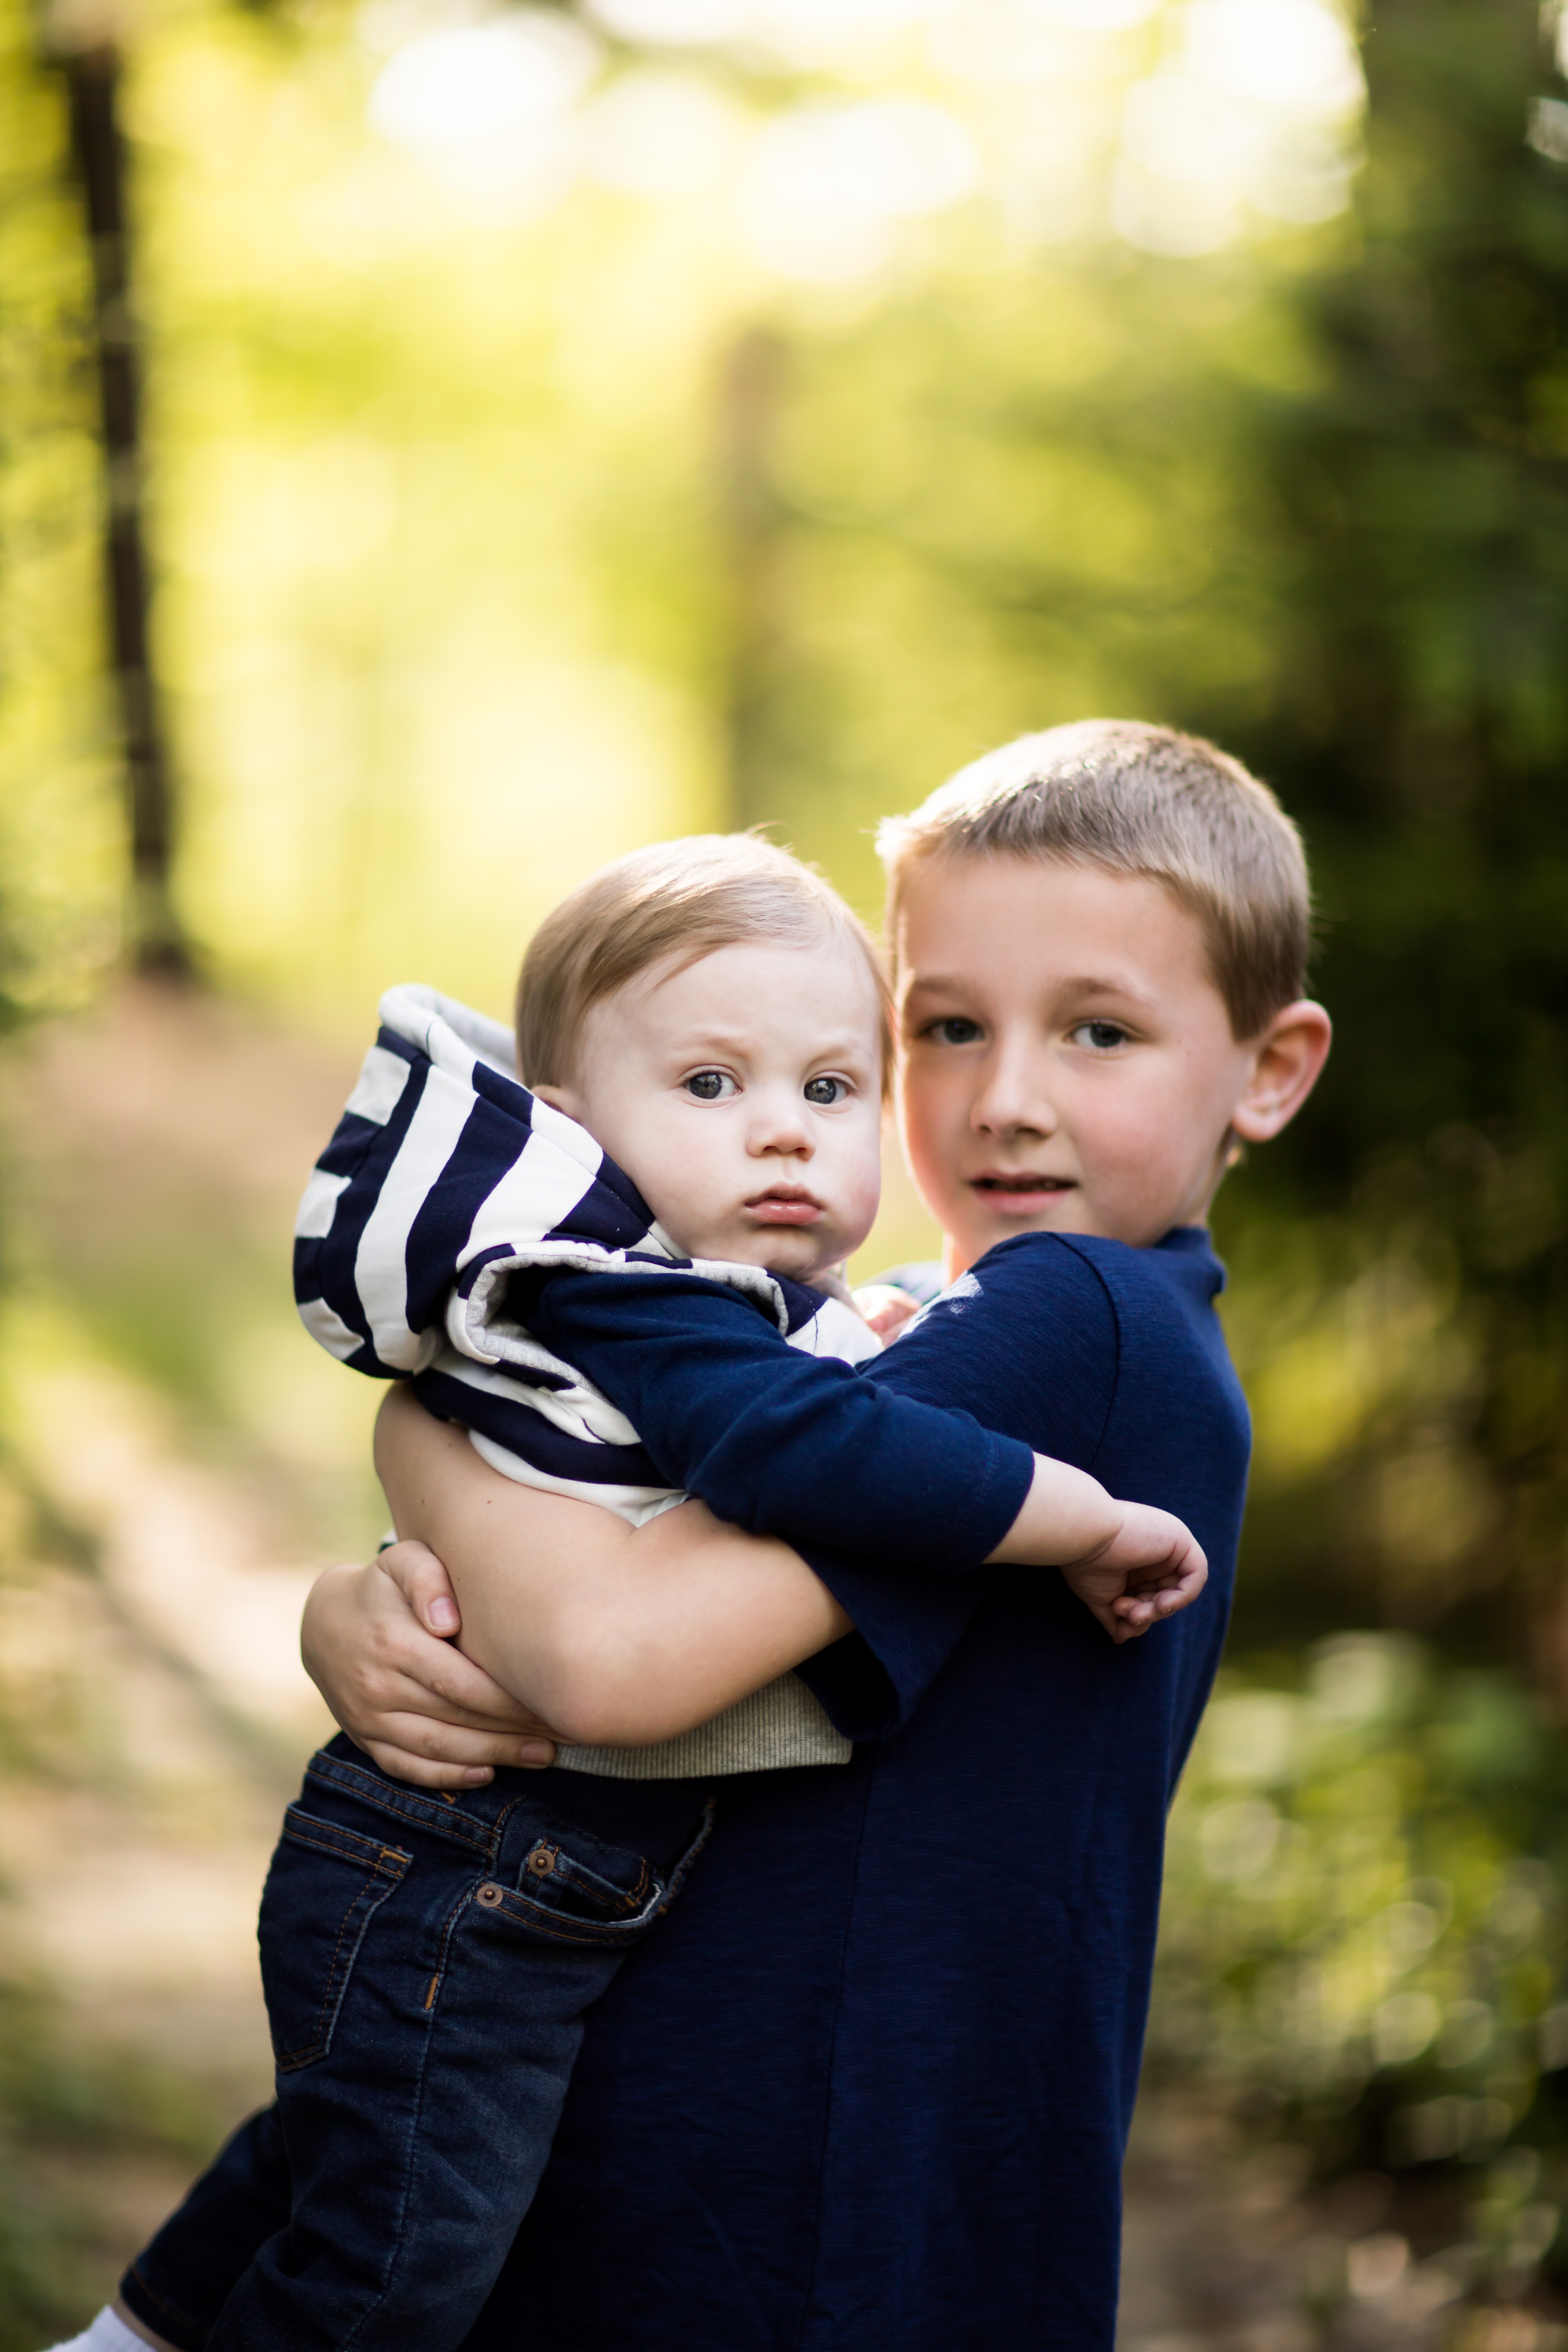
{"x":567,"y":427}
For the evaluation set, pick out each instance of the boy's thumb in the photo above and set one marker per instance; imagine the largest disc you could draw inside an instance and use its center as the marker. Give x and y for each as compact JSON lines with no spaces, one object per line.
{"x":425,"y":1586}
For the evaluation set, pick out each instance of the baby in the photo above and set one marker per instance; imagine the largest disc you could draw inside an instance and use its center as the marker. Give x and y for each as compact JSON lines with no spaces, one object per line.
{"x":703,"y":1030}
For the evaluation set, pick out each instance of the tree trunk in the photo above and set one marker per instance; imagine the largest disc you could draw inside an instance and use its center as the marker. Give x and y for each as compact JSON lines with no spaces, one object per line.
{"x":92,"y":81}
{"x":750,"y":391}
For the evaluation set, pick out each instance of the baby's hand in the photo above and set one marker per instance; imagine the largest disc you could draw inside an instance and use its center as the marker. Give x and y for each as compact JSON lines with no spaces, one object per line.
{"x":886,"y":1308}
{"x":1149,"y":1568}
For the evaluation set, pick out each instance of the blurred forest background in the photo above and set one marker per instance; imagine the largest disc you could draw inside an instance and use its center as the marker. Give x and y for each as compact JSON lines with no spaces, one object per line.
{"x":508,"y":434}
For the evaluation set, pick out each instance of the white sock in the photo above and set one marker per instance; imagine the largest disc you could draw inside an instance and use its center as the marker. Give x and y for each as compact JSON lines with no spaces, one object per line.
{"x":107,"y":2333}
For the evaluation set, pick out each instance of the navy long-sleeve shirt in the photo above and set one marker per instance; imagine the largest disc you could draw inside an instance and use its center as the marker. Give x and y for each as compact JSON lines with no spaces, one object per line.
{"x":773,"y":1440}
{"x":869,"y":2087}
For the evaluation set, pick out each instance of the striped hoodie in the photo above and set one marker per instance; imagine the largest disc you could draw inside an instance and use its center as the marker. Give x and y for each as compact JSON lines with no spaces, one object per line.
{"x":444,"y":1176}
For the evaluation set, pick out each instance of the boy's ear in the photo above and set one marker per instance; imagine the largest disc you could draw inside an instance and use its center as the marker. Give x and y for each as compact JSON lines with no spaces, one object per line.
{"x":1286,"y":1063}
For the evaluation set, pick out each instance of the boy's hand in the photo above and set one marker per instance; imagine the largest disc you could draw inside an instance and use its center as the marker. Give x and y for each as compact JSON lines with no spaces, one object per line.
{"x":377,"y":1642}
{"x":1151,"y":1566}
{"x":886,"y":1308}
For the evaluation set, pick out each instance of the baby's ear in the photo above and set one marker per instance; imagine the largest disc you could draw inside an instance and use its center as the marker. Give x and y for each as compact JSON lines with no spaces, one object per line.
{"x":561,"y":1099}
{"x":1286,"y":1064}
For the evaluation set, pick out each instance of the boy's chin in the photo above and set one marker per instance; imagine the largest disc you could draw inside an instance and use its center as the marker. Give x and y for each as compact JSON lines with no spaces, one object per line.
{"x":1058,"y":1212}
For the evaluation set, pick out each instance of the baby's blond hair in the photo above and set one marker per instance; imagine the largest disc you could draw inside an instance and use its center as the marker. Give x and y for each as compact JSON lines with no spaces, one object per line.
{"x":1137,"y":800}
{"x":678,"y":900}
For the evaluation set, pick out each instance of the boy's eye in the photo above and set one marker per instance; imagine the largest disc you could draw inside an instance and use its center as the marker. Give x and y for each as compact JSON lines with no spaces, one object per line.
{"x":709,"y":1085}
{"x":953,"y":1029}
{"x":1101,"y":1036}
{"x":825,"y":1092}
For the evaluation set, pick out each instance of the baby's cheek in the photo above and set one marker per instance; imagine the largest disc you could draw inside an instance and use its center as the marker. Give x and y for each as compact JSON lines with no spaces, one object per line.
{"x":863,"y":1191}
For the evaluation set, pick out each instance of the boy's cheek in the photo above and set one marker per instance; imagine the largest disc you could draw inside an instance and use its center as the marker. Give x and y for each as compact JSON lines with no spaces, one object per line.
{"x":933,"y":1163}
{"x":932,"y":1125}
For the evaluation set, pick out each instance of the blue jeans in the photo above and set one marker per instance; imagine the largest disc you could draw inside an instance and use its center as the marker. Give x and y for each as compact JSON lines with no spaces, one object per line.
{"x":427,"y":1962}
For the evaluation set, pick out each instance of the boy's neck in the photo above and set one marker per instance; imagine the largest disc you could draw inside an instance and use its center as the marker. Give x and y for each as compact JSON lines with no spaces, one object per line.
{"x":954,"y":1261}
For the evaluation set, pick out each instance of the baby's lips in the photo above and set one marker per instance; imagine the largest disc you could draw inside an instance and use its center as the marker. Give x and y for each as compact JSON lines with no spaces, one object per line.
{"x":771,"y":1212}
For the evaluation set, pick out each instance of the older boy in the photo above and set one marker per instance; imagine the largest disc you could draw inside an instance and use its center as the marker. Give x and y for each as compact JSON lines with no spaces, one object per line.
{"x":869,"y":2087}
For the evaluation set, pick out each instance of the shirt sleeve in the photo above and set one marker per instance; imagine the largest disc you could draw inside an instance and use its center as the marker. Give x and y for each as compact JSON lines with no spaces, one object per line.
{"x":776,"y":1441}
{"x":1028,"y":1342}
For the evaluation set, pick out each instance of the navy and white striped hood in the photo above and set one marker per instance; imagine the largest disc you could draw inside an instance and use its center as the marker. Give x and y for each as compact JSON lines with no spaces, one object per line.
{"x":445,"y":1175}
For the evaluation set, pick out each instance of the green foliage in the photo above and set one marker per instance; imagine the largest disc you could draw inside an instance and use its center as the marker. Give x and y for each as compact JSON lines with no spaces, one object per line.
{"x":1365,"y":1944}
{"x":1316,"y":507}
{"x":1418,"y":497}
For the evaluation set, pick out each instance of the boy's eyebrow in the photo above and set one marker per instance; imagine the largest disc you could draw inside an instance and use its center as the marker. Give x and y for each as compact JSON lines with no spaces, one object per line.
{"x":1083,"y":984}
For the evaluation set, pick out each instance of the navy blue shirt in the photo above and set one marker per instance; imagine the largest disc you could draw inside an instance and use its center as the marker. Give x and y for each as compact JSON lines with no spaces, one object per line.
{"x":772,"y":1438}
{"x":867,"y":2089}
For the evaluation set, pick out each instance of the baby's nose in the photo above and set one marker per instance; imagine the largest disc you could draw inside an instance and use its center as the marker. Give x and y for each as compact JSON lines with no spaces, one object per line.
{"x":787,"y":1136}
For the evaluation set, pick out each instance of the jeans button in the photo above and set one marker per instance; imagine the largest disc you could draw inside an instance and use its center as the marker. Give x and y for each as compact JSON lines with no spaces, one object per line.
{"x":541,"y":1861}
{"x":490,"y":1895}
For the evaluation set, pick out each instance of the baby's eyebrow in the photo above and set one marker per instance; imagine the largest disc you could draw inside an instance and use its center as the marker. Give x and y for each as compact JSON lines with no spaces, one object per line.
{"x":709,"y":1041}
{"x":844,"y":1044}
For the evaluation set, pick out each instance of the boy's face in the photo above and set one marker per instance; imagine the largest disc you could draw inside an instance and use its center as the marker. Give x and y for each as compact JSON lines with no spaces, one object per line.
{"x":742,"y":1096}
{"x":1067,"y":1062}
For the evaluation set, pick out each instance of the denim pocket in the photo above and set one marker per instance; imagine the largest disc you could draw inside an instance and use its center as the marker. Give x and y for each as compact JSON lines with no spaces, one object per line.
{"x":325,"y":1885}
{"x":561,"y":1897}
{"x":561,"y":1882}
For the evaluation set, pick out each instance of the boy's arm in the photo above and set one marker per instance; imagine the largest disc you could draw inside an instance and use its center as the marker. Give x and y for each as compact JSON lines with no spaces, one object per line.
{"x":613,"y":1636}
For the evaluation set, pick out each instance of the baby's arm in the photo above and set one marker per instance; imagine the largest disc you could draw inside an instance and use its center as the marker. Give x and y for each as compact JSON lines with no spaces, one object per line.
{"x":775,"y":1440}
{"x":1129,"y":1563}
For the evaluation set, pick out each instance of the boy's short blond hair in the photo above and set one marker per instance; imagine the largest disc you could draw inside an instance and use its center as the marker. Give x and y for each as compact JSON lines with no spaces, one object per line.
{"x":1137,"y":800}
{"x":680,"y":900}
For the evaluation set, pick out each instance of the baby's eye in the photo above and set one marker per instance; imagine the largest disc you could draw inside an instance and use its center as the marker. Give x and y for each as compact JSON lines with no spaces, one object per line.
{"x":825,"y":1092}
{"x":1100,"y":1036}
{"x":953,"y":1029}
{"x":709,"y":1085}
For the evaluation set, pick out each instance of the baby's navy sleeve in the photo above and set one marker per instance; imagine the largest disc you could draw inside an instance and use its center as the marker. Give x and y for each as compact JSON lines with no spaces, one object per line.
{"x":1029,"y":1343}
{"x":776,"y":1441}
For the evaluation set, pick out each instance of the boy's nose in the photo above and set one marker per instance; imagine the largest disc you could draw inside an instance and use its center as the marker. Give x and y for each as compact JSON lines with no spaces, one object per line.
{"x":1012,"y":1101}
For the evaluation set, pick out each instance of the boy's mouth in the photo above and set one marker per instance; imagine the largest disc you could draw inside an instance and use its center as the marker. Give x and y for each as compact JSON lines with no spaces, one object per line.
{"x":1017,"y":1194}
{"x":785,"y":1204}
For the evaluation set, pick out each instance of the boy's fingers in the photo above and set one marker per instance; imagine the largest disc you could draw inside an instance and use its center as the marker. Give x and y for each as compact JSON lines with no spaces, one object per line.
{"x":443,"y":1754}
{"x":474,"y":1742}
{"x":425,"y":1585}
{"x":421,"y":1772}
{"x":409,"y":1703}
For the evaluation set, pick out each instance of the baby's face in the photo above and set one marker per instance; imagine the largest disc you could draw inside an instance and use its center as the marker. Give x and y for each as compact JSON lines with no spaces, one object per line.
{"x":742,"y":1096}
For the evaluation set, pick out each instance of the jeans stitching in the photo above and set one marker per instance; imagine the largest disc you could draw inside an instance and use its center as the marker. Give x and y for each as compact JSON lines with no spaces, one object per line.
{"x":293,"y":2061}
{"x":387,"y":1854}
{"x":463,"y":1902}
{"x":350,"y":1780}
